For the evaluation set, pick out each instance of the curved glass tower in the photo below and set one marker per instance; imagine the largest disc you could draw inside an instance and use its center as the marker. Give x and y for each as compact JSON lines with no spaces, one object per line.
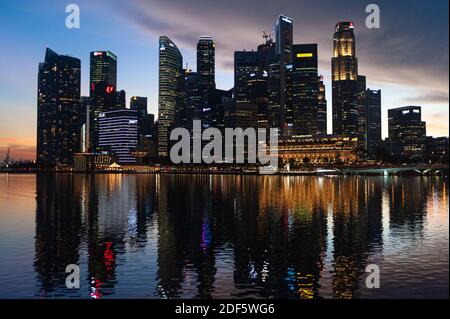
{"x":170,"y":76}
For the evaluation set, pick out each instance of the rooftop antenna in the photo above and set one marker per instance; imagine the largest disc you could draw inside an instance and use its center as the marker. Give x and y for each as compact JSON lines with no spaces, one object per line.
{"x":265,"y":36}
{"x":8,"y":157}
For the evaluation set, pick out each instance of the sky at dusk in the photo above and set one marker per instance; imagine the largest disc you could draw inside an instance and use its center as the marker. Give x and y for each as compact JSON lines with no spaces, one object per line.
{"x":407,"y":58}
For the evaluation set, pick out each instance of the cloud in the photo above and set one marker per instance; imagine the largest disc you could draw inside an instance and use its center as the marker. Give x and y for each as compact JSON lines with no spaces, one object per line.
{"x":7,"y":140}
{"x":402,"y":51}
{"x":432,"y":98}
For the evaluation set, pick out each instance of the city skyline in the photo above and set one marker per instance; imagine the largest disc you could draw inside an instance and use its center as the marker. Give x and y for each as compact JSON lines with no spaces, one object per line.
{"x":397,"y":79}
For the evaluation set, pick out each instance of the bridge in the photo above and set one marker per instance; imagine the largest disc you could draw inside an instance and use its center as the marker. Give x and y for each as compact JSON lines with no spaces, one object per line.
{"x":386,"y":171}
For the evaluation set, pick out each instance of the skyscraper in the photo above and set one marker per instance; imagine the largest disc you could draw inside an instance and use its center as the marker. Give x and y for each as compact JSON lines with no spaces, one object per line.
{"x":103,"y":87}
{"x":362,"y":120}
{"x":139,"y":104}
{"x":120,"y":102}
{"x":206,"y":55}
{"x":58,"y":114}
{"x":302,"y":115}
{"x":407,"y":129}
{"x":283,"y":48}
{"x":251,"y":79}
{"x":322,"y":107}
{"x":118,"y":134}
{"x":85,"y":123}
{"x":284,"y":38}
{"x":196,"y":99}
{"x":344,"y":65}
{"x":170,"y":77}
{"x":370,"y":115}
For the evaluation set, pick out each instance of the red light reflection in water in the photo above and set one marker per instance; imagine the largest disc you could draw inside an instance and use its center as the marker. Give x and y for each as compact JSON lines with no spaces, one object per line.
{"x":108,"y":262}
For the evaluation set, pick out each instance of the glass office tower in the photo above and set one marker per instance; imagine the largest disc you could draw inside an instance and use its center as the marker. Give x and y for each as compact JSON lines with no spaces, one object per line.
{"x":59,"y":110}
{"x":103,"y":88}
{"x":170,"y":78}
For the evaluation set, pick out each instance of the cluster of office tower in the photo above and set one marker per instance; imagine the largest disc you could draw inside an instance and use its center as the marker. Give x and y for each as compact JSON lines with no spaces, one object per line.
{"x":70,"y":124}
{"x":278,"y":85}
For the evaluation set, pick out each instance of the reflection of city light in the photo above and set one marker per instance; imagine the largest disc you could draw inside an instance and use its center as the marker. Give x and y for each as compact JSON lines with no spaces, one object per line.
{"x":95,"y":289}
{"x":206,"y":234}
{"x":108,"y":256}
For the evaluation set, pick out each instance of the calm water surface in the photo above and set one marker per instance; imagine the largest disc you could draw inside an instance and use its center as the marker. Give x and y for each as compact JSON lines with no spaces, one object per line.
{"x":147,"y":236}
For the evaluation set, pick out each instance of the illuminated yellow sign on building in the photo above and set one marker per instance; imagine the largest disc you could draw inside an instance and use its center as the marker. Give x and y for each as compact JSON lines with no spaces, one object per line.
{"x":304,"y":55}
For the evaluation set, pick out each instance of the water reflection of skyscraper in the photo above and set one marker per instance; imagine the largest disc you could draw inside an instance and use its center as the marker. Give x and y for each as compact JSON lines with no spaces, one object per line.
{"x":57,"y":238}
{"x":104,"y":210}
{"x":222,"y":236}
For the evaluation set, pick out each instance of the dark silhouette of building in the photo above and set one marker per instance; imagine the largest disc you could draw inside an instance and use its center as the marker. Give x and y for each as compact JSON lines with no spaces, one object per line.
{"x":146,"y":121}
{"x":437,"y":149}
{"x":206,"y":55}
{"x":221,"y":98}
{"x":170,"y":96}
{"x":251,"y":80}
{"x":344,"y":69}
{"x":196,"y":104}
{"x":59,"y":109}
{"x":408,"y":131}
{"x":103,"y":88}
{"x":120,"y":103}
{"x":370,"y":121}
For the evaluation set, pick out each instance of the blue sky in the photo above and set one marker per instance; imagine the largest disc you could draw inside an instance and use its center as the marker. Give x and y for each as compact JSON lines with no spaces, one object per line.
{"x":407,"y":58}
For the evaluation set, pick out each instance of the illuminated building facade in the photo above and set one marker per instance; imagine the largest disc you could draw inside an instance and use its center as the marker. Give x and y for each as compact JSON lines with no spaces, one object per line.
{"x":170,"y":98}
{"x":302,"y":114}
{"x":318,"y":149}
{"x":103,"y":88}
{"x":242,"y":115}
{"x":85,"y":122}
{"x":118,"y":134}
{"x":344,"y":69}
{"x":407,"y":129}
{"x":59,"y":110}
{"x":283,"y":48}
{"x":91,"y":162}
{"x":322,"y":107}
{"x":282,"y":79}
